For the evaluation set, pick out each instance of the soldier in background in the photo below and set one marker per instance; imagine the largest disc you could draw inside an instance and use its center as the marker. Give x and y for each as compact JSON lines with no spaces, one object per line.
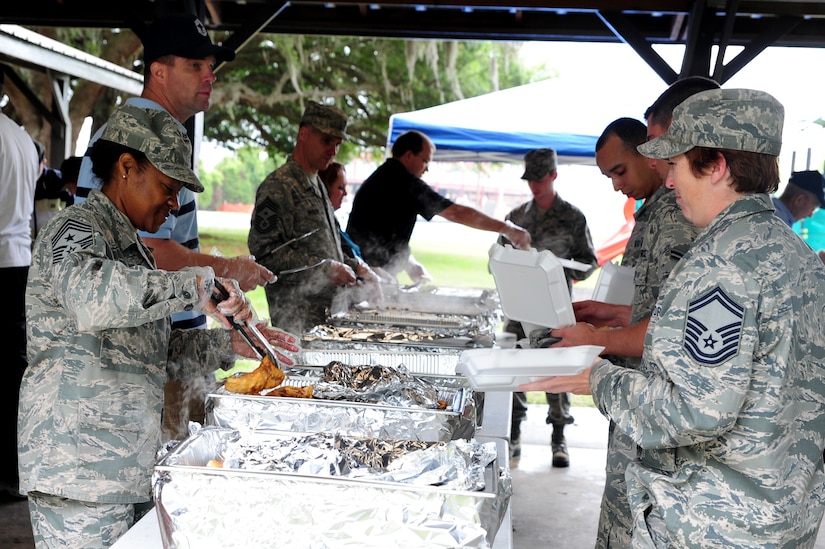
{"x":804,"y":194}
{"x":728,"y":406}
{"x":291,"y":202}
{"x":99,"y":337}
{"x":558,"y":226}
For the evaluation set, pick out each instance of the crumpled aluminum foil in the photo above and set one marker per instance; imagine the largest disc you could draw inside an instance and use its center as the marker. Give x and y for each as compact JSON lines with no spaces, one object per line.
{"x":458,"y":464}
{"x":393,"y":386}
{"x":207,"y":507}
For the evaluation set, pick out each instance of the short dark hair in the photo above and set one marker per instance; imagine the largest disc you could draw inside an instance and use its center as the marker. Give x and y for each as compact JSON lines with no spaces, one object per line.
{"x":413,"y":141}
{"x":632,"y":132}
{"x":104,"y":155}
{"x":661,"y":111}
{"x":751,"y":172}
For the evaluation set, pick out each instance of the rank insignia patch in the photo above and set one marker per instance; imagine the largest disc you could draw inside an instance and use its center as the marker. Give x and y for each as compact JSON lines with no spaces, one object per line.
{"x":714,"y":324}
{"x":265,"y":216}
{"x":71,"y":237}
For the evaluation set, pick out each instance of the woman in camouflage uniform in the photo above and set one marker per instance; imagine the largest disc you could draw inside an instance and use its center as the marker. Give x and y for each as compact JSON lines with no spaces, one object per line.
{"x":99,"y":338}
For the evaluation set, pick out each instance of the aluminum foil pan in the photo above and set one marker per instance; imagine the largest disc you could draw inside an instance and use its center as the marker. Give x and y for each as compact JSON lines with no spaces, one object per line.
{"x":431,"y":299}
{"x":459,"y":420}
{"x":412,"y":336}
{"x":422,"y":359}
{"x":208,"y":507}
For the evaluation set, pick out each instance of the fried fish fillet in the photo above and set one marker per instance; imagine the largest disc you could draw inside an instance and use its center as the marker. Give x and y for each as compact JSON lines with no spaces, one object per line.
{"x":291,"y":391}
{"x":266,"y":376}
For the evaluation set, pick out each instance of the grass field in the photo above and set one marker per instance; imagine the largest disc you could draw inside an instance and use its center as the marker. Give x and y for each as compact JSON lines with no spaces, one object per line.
{"x":455,"y":256}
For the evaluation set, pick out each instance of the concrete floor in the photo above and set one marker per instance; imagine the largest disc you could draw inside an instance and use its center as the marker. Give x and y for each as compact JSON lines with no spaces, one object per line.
{"x":550,"y":508}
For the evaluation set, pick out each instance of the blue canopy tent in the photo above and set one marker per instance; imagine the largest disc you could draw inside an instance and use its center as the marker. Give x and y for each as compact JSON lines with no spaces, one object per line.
{"x":502,"y":126}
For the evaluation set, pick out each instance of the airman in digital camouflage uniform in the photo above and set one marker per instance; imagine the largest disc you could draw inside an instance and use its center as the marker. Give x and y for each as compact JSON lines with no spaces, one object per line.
{"x":291,"y":202}
{"x":556,"y":225}
{"x":661,"y":235}
{"x":728,"y":407}
{"x":99,"y":337}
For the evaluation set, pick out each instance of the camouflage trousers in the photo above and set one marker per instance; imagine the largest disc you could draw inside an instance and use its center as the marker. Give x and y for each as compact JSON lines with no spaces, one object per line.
{"x":63,"y":523}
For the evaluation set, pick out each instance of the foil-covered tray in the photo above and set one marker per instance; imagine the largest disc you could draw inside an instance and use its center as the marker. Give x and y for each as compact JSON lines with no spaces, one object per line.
{"x":439,"y":362}
{"x":433,"y":299}
{"x":227,"y":508}
{"x":458,"y":420}
{"x":411,"y":336}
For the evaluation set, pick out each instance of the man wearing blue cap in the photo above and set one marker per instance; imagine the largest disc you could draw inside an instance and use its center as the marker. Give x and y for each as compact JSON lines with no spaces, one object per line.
{"x":802,"y":196}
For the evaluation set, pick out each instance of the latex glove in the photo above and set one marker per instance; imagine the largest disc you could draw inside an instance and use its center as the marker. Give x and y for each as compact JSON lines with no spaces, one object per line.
{"x":340,"y":274}
{"x":247,"y":272}
{"x":285,"y":343}
{"x":417,"y":272}
{"x":520,"y":238}
{"x":365,"y":273}
{"x":237,"y":305}
{"x":370,"y":281}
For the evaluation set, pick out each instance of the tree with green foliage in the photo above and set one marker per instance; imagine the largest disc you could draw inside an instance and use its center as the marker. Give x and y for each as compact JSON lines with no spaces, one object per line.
{"x":258,"y":98}
{"x":261,"y":95}
{"x":236,"y":178}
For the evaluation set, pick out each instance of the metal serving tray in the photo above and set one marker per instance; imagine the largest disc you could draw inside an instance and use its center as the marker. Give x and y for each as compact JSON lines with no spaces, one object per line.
{"x":418,"y":361}
{"x":310,"y":415}
{"x":215,"y":508}
{"x":428,"y":299}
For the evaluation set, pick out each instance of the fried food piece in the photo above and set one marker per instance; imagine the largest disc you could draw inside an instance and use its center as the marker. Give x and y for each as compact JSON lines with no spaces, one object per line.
{"x":266,"y":376}
{"x":291,"y":391}
{"x":214,"y":463}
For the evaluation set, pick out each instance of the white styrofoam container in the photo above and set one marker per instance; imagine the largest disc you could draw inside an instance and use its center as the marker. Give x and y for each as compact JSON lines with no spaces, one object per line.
{"x":531,"y":286}
{"x":506,"y":369}
{"x":615,"y":284}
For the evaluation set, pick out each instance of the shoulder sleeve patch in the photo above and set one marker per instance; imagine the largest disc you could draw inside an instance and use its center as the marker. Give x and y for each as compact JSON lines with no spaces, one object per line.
{"x":714,"y":326}
{"x":266,"y":215}
{"x":72,"y":236}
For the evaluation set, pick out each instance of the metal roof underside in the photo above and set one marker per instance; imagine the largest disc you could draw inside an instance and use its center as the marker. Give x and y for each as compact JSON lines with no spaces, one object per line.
{"x":698,"y":24}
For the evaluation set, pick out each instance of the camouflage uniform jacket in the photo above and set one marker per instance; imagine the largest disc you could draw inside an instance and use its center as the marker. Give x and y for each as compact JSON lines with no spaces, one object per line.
{"x":660,"y":237}
{"x":562,"y":229}
{"x":289,"y":203}
{"x":728,"y":407}
{"x":99,"y":345}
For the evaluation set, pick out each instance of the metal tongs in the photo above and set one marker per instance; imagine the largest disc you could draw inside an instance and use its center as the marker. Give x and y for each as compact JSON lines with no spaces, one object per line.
{"x":287,"y":243}
{"x":249,"y":332}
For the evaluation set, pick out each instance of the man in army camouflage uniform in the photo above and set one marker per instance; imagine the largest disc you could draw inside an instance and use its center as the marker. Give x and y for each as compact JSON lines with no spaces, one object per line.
{"x":560,"y":227}
{"x":728,"y":405}
{"x":292,"y":201}
{"x":661,"y":235}
{"x":99,"y":338}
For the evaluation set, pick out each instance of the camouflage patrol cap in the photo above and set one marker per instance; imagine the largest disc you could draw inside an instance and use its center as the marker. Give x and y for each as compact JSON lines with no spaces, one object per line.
{"x":538,"y":163}
{"x":326,"y":118}
{"x":735,"y":119}
{"x":157,"y":135}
